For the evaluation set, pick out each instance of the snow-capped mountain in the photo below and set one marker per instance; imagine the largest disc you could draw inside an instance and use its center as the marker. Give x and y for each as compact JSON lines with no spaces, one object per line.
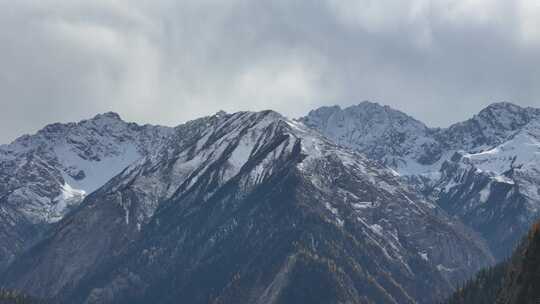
{"x":45,"y":175}
{"x":380,"y":133}
{"x":484,"y":170}
{"x":496,"y":191}
{"x":251,"y":208}
{"x":492,"y":126}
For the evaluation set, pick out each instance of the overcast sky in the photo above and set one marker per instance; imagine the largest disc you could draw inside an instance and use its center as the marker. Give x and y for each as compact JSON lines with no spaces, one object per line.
{"x":165,"y":61}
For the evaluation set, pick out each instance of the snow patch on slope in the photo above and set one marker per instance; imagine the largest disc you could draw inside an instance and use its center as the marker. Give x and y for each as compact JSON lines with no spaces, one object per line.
{"x":68,"y":198}
{"x":523,"y":149}
{"x":96,"y":173}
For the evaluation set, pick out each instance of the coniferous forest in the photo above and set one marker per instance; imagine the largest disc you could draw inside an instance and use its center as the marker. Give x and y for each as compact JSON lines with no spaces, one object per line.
{"x":13,"y":297}
{"x":515,"y":281}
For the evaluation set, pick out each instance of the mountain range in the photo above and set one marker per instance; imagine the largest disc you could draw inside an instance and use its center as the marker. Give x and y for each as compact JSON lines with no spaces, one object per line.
{"x":357,"y":205}
{"x":484,"y":171}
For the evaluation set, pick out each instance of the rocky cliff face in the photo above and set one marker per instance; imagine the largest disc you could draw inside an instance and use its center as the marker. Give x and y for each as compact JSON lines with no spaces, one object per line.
{"x":43,"y":176}
{"x":484,"y":170}
{"x":251,"y":208}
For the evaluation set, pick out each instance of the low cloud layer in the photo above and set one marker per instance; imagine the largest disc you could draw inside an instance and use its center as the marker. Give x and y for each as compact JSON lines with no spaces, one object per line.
{"x":168,"y":61}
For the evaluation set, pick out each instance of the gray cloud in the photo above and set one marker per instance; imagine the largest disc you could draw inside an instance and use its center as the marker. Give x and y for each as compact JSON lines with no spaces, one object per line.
{"x":166,"y":61}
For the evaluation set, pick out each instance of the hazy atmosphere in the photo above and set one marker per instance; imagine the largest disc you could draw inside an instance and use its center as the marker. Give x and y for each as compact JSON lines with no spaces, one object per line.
{"x":166,"y":62}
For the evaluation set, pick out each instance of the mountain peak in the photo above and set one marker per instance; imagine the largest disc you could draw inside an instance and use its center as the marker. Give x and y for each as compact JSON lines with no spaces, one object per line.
{"x":367,"y":110}
{"x":503,"y":105}
{"x":500,"y":108}
{"x":376,"y":130}
{"x":108,"y":116}
{"x":507,"y":115}
{"x":368,"y":104}
{"x":220,"y":113}
{"x":491,"y":126}
{"x":376,"y":111}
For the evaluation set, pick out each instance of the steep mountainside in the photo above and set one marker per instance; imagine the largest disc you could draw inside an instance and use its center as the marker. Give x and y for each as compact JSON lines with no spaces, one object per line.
{"x":45,"y":175}
{"x":513,"y":282}
{"x":521,"y":282}
{"x":485,"y":170}
{"x":251,"y":208}
{"x":483,"y":288}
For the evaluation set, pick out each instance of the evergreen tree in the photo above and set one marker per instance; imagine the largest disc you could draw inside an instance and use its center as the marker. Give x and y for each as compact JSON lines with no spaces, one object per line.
{"x":13,"y":297}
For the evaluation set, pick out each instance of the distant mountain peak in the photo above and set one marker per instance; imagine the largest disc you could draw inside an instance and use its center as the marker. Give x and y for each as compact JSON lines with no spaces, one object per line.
{"x":503,"y":105}
{"x":369,"y":104}
{"x":503,"y":112}
{"x":59,"y":130}
{"x":220,"y":113}
{"x":108,"y":115}
{"x":491,"y":126}
{"x":380,"y":132}
{"x":365,"y":105}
